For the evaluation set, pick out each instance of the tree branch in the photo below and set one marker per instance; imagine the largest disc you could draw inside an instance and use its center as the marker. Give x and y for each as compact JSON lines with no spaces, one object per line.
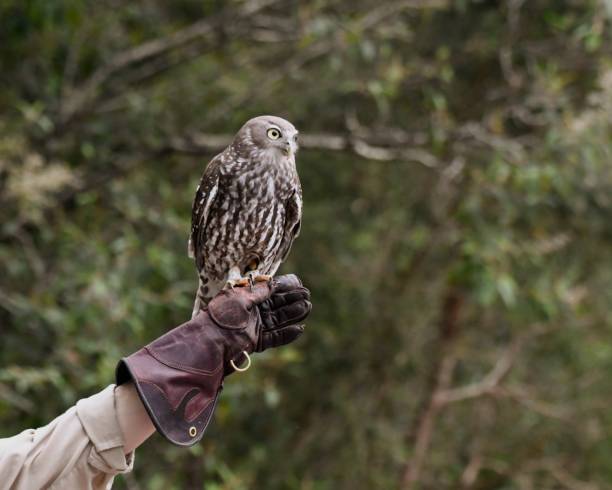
{"x":364,"y":146}
{"x":78,"y":99}
{"x":490,"y":384}
{"x":487,"y":384}
{"x":441,"y":372}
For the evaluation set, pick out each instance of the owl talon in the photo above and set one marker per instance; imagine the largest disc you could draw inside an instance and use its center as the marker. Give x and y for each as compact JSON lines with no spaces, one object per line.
{"x":240,"y":283}
{"x":243,"y":282}
{"x":262,"y":278}
{"x":255,"y":277}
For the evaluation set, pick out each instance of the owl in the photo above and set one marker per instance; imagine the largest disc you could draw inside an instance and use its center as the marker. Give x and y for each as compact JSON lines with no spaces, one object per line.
{"x":247,"y":209}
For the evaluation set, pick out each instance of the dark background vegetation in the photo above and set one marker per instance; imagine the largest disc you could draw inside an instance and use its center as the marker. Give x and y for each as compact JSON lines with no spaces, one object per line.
{"x":456,"y":165}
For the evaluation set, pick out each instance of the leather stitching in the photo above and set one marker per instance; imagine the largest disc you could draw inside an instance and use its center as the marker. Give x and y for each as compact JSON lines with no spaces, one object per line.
{"x":181,"y":367}
{"x":174,"y":407}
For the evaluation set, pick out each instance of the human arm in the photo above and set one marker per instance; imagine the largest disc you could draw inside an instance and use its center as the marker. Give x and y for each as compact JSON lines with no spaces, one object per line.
{"x":134,"y":422}
{"x":82,"y":448}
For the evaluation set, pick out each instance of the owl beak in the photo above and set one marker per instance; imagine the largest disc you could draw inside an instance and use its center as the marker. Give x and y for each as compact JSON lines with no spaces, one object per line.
{"x":290,"y":148}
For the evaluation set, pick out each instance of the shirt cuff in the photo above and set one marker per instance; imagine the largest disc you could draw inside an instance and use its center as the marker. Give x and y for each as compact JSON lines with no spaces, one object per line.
{"x":98,"y":416}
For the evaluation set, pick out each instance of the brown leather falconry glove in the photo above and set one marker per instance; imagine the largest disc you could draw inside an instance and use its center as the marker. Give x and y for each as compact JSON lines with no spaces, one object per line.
{"x":179,"y":376}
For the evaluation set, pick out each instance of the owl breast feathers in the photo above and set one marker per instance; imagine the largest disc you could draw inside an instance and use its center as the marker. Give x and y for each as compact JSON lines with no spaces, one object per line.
{"x":248,"y":207}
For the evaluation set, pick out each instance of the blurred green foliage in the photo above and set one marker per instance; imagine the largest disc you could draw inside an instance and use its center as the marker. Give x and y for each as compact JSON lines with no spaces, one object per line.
{"x":457,"y":230}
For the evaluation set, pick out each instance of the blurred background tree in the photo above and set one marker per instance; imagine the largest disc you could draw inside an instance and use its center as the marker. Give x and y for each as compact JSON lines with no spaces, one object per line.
{"x":456,"y":165}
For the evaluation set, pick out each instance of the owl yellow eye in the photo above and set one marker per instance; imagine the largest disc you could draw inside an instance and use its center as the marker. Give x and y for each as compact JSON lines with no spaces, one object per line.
{"x":273,"y":133}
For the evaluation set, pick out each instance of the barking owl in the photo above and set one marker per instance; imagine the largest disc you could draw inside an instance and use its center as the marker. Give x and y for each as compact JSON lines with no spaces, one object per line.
{"x":247,"y":209}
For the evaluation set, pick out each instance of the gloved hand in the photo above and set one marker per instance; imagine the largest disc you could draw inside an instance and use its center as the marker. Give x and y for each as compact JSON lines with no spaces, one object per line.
{"x":179,"y":376}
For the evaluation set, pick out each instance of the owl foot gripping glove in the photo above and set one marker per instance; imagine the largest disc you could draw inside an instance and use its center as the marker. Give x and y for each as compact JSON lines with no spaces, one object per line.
{"x":179,"y":376}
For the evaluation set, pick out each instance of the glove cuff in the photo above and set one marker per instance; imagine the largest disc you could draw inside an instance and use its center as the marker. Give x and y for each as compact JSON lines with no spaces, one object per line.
{"x":182,"y":423}
{"x":179,"y":375}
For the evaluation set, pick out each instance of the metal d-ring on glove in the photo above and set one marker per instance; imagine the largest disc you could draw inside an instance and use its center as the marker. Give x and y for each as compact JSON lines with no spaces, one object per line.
{"x":248,"y":363}
{"x":179,"y":376}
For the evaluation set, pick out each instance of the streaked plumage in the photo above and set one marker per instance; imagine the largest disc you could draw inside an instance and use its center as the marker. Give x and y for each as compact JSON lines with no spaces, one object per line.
{"x":247,"y":208}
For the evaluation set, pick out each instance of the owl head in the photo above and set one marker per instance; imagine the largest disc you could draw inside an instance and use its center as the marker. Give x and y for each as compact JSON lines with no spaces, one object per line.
{"x":274,"y":135}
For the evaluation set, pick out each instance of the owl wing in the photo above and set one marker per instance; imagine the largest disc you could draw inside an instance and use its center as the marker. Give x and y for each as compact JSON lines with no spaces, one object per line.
{"x":202,"y":203}
{"x":293,"y":223}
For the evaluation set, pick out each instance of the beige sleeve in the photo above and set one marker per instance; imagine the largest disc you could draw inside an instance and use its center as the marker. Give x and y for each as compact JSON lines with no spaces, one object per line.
{"x":80,"y":449}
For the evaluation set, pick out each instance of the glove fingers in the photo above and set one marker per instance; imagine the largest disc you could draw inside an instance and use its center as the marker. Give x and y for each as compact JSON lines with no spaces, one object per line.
{"x":278,"y":300}
{"x":292,"y":313}
{"x":281,"y":336}
{"x":286,"y":282}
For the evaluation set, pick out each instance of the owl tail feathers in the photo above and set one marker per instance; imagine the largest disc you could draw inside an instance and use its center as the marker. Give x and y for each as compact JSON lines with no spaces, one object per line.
{"x":202,"y":298}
